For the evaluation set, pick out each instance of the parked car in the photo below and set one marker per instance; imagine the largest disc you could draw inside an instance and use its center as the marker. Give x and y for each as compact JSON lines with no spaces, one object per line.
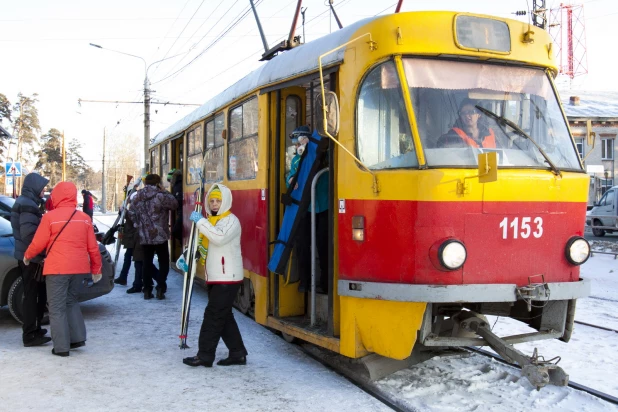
{"x":11,"y":286}
{"x":6,"y":204}
{"x":604,"y":213}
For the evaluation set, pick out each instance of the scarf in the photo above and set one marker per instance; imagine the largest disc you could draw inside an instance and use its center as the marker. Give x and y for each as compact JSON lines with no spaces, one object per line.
{"x":203,"y":240}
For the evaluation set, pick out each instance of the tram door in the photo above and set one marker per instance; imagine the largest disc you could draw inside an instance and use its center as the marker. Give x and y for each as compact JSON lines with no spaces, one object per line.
{"x":177,"y":163}
{"x":290,"y":108}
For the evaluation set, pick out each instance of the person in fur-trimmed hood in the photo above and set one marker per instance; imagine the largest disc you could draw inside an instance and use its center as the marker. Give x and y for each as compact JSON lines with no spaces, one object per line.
{"x":224,"y":275}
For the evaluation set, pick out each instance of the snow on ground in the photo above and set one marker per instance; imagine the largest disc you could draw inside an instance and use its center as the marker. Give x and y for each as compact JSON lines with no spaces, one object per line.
{"x":132,"y":361}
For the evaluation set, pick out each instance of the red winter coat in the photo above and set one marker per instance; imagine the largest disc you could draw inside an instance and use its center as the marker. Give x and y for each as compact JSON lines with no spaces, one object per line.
{"x":76,"y":250}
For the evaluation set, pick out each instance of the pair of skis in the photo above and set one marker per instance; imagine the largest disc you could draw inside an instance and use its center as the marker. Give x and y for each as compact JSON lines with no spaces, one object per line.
{"x":120,"y":220}
{"x":191,"y":259}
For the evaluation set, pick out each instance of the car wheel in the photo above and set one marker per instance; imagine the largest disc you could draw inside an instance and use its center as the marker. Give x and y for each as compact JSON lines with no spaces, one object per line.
{"x":16,"y":299}
{"x":598,"y":232}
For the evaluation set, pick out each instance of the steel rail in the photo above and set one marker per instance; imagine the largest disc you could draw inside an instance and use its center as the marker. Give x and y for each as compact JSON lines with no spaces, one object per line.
{"x":601,"y":395}
{"x":596,"y":326}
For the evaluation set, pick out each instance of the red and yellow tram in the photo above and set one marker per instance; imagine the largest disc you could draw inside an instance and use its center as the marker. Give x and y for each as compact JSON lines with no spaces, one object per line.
{"x":422,"y":244}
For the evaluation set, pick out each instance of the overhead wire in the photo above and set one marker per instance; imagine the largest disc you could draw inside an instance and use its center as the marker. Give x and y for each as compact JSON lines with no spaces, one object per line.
{"x":221,"y":36}
{"x":179,"y":34}
{"x":201,"y":39}
{"x":193,"y":35}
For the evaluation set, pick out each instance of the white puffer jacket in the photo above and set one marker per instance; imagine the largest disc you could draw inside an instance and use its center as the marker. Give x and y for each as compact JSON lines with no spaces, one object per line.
{"x":224,"y":260}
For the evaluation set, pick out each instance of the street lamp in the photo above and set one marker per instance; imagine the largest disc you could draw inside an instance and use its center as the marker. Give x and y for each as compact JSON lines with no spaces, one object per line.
{"x":146,"y":98}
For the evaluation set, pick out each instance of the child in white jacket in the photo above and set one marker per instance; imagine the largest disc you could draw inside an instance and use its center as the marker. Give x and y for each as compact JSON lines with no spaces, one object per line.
{"x":224,"y":276}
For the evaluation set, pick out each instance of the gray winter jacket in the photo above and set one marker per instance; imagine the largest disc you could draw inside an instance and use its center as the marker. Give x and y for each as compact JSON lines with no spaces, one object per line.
{"x":150,"y":214}
{"x":26,"y":214}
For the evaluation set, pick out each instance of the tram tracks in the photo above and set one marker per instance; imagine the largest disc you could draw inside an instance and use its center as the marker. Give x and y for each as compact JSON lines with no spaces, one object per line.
{"x":598,"y":394}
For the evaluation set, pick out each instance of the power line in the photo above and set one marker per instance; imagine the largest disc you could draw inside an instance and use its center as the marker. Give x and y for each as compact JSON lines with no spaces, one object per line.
{"x":180,"y":34}
{"x":221,"y":36}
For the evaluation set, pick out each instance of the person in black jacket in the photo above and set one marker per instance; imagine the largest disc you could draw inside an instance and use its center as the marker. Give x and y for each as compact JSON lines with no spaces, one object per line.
{"x":25,"y":218}
{"x":175,"y":178}
{"x":88,"y":204}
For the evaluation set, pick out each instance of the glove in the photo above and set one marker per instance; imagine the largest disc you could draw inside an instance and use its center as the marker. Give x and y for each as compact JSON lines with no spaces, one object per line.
{"x":181,"y":264}
{"x":96,"y":278}
{"x":26,"y":261}
{"x":195,"y":217}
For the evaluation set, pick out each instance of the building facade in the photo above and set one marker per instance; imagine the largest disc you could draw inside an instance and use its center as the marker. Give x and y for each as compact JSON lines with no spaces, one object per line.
{"x":601,"y":109}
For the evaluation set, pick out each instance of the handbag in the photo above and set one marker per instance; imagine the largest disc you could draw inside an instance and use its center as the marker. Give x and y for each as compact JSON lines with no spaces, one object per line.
{"x":38,"y":275}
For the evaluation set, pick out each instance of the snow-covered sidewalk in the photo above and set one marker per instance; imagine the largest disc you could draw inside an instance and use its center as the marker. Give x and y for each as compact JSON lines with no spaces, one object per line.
{"x":132,"y":362}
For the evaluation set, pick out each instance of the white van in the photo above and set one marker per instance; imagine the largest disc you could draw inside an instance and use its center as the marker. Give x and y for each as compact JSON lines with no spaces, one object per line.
{"x":604,"y":213}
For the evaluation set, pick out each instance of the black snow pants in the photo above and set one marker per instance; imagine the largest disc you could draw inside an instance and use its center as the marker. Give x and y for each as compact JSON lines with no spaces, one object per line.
{"x":35,"y":299}
{"x":219,"y":323}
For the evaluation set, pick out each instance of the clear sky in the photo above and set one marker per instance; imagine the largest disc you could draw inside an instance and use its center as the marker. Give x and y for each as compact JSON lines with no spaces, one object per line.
{"x":45,"y":49}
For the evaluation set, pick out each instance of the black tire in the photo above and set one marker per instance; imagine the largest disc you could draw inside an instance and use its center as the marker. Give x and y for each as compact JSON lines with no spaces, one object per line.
{"x":598,"y":232}
{"x":15,"y":299}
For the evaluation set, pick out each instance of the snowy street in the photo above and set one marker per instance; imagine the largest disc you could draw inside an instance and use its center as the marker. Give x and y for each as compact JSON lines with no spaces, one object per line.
{"x":132,"y":362}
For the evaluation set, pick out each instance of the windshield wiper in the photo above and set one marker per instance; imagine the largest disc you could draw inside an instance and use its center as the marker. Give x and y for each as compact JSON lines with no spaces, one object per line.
{"x":519,"y":131}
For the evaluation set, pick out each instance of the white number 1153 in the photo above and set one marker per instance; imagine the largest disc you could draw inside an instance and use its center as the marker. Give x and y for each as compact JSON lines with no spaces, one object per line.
{"x":528,"y":226}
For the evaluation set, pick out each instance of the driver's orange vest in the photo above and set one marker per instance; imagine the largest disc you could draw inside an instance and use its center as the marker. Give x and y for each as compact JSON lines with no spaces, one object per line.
{"x":489,"y":141}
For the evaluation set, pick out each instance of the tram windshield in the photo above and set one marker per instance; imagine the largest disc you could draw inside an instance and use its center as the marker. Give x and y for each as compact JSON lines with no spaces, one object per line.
{"x":458,"y":108}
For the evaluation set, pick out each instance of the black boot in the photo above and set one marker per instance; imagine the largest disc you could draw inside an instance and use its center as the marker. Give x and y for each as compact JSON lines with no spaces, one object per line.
{"x":76,"y":345}
{"x":160,"y":294}
{"x":196,"y":361}
{"x":134,"y":290}
{"x":120,"y":281}
{"x":37,"y":340}
{"x":63,"y":354}
{"x":233,"y":361}
{"x":148,"y":294}
{"x":41,"y":332}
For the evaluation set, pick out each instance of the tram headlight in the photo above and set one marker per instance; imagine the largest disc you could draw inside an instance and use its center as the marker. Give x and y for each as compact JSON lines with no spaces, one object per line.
{"x":452,"y":254}
{"x":448,"y":254}
{"x":577,"y":250}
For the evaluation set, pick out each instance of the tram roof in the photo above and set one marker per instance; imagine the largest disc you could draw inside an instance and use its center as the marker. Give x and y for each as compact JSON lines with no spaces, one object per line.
{"x":292,"y":63}
{"x":592,"y":104}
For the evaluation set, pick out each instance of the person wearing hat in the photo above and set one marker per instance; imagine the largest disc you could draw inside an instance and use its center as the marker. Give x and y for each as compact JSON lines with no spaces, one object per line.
{"x":224,"y":276}
{"x":150,"y":214}
{"x":467,"y":130}
{"x":88,"y":203}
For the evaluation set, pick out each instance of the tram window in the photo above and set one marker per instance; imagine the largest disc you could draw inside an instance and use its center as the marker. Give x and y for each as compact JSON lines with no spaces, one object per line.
{"x":383,"y":129}
{"x":165,"y":162}
{"x":292,"y":121}
{"x":213,"y":158}
{"x":313,"y":92}
{"x":243,"y":144}
{"x":194,"y":155}
{"x":457,"y":104}
{"x":154,"y":161}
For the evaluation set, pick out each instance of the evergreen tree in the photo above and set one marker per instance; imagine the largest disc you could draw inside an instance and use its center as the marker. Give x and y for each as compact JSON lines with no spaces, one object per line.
{"x":26,"y":124}
{"x":77,"y":170}
{"x":50,"y":156}
{"x":5,"y":114}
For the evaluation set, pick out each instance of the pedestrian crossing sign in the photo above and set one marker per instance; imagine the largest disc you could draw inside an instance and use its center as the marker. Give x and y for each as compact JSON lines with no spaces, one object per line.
{"x":13,"y":169}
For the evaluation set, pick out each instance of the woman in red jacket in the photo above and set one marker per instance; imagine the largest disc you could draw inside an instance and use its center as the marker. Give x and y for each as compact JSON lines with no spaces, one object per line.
{"x":66,"y":235}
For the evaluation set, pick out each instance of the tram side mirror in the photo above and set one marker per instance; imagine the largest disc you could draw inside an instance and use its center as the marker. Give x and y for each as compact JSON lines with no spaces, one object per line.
{"x":332,"y":114}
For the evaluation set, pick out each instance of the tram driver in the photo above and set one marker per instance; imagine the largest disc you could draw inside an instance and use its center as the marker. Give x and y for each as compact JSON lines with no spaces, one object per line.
{"x":467,"y":130}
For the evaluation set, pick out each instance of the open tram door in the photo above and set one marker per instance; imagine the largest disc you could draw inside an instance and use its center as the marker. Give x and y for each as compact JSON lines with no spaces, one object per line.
{"x":290,"y":308}
{"x":177,"y":163}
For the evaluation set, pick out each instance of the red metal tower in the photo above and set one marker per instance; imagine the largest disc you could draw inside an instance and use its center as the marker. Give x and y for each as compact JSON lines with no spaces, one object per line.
{"x":568,"y":29}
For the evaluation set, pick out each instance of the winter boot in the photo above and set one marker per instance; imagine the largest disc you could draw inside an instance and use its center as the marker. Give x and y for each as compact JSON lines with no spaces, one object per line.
{"x":196,"y":361}
{"x":120,"y":281}
{"x":76,"y":345}
{"x":37,"y":340}
{"x":134,"y":290}
{"x":233,"y":361}
{"x":63,"y":354}
{"x":148,"y":294}
{"x":160,"y":294}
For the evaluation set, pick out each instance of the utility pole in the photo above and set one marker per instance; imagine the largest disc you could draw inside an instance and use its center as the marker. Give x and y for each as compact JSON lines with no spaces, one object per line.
{"x":64,"y":160}
{"x":146,"y":124}
{"x":103,"y":197}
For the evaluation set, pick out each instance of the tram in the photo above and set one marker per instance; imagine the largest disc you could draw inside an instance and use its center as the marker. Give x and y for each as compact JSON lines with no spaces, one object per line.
{"x":426,"y":235}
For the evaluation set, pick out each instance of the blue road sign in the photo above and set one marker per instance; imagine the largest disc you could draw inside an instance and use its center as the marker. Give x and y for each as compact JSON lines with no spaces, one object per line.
{"x":13,"y":169}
